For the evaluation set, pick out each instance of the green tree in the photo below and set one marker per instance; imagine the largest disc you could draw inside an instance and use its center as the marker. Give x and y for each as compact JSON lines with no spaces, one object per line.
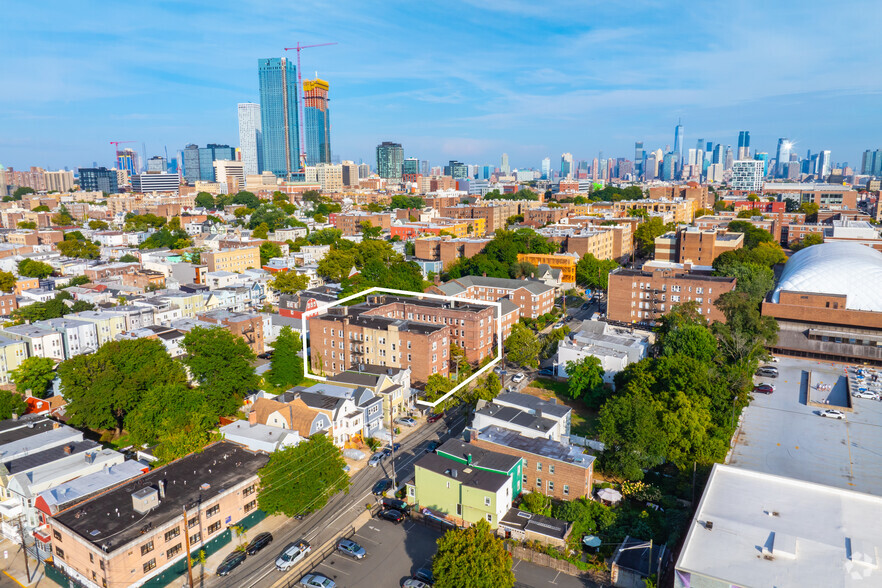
{"x":594,"y":273}
{"x":34,"y":374}
{"x":246,"y":198}
{"x":289,"y":282}
{"x":204,"y":200}
{"x":104,"y":387}
{"x":299,"y":480}
{"x":63,"y":218}
{"x":810,"y":210}
{"x":269,"y":250}
{"x":753,"y":235}
{"x":646,"y":233}
{"x":402,"y":201}
{"x":7,"y":281}
{"x":808,"y":241}
{"x":754,"y":279}
{"x":11,"y":403}
{"x":586,"y":381}
{"x":27,"y":225}
{"x":287,"y":363}
{"x":523,"y":269}
{"x":537,"y":503}
{"x":691,"y":340}
{"x":98,"y":225}
{"x":474,"y":557}
{"x":369,"y":231}
{"x":522,"y":346}
{"x":325,"y":236}
{"x":269,"y":215}
{"x":319,"y":218}
{"x":437,"y":386}
{"x":221,"y":363}
{"x":34,"y":269}
{"x":628,"y":426}
{"x":80,"y":249}
{"x":21,"y":191}
{"x":261,"y":231}
{"x":143,"y":222}
{"x":129,"y":258}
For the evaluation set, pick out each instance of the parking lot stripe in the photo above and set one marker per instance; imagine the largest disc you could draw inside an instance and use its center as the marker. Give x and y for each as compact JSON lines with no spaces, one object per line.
{"x":329,"y":566}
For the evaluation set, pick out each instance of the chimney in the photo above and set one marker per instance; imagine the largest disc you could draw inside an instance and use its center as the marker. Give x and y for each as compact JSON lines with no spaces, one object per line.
{"x":252,"y":417}
{"x":68,"y":449}
{"x":484,"y":274}
{"x":162,"y":489}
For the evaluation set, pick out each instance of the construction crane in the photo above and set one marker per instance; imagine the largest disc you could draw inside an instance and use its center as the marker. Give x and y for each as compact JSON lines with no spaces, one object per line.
{"x":301,"y":122}
{"x":116,"y":145}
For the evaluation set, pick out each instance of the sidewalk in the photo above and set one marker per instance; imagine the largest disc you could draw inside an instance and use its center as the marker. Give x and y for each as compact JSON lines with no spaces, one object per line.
{"x":12,"y":568}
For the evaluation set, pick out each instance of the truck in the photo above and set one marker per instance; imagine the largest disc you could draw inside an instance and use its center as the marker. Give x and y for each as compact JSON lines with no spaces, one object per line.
{"x":293,"y":554}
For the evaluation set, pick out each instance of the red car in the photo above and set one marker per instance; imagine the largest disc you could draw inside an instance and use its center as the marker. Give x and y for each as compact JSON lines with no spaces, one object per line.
{"x":764,"y":389}
{"x":435,"y":417}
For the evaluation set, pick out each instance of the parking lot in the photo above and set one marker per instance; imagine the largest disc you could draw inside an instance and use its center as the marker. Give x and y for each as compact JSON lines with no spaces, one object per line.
{"x":395,"y":552}
{"x":783,"y":435}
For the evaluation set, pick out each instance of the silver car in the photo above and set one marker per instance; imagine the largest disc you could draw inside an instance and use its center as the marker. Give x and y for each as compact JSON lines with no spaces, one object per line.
{"x":351,"y":548}
{"x":317,"y":581}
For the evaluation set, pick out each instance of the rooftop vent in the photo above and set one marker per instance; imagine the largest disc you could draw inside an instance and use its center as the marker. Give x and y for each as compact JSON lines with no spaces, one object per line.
{"x":145,"y":499}
{"x":709,"y":525}
{"x":205,"y":486}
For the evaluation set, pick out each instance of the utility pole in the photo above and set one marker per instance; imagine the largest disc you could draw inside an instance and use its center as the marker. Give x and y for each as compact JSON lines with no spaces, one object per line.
{"x":392,"y":429}
{"x":187,"y":543}
{"x":24,"y":547}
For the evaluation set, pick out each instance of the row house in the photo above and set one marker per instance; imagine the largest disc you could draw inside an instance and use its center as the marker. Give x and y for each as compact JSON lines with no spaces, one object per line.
{"x":293,"y":415}
{"x":39,"y":342}
{"x":78,"y":336}
{"x":392,"y":385}
{"x":12,"y":353}
{"x":355,"y":413}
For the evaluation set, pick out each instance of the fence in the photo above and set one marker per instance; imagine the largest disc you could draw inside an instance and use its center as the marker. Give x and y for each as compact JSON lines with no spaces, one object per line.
{"x":560,"y":565}
{"x":585,"y":442}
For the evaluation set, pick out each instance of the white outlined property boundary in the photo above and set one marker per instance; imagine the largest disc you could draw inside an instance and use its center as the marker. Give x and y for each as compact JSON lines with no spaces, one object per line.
{"x":304,"y":331}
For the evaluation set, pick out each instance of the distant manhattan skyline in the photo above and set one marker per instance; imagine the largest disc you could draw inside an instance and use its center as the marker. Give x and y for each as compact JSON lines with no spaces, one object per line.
{"x":587,"y":78}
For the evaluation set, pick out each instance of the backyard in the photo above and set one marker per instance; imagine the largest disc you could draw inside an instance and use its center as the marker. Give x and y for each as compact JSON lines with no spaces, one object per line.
{"x":584,"y":419}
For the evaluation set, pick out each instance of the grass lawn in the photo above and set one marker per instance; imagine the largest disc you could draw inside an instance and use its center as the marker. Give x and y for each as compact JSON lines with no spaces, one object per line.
{"x":584,"y":419}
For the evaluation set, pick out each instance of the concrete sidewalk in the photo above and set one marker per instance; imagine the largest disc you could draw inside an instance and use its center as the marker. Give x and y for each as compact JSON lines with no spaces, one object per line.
{"x":12,"y":568}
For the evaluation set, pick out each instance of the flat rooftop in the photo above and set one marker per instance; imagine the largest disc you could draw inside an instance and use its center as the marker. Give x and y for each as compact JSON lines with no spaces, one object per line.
{"x":537,"y":446}
{"x":221,"y":465}
{"x":769,"y":530}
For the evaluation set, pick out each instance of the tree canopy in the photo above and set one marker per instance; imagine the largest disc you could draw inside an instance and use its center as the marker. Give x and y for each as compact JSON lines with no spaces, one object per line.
{"x":7,"y":281}
{"x":647,"y":231}
{"x":299,"y":480}
{"x":34,"y":269}
{"x":11,"y":403}
{"x":474,"y":557}
{"x":287,"y":363}
{"x":585,"y":381}
{"x":522,"y":346}
{"x":34,"y":374}
{"x":221,"y":363}
{"x":594,"y":273}
{"x":289,"y":282}
{"x":500,"y":257}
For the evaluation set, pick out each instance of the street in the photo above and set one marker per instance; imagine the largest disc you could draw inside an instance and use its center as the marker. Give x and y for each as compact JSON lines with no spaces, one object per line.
{"x":340,"y":512}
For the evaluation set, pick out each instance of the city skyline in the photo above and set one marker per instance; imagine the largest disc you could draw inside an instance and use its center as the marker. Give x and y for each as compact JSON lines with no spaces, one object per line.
{"x":468,"y":91}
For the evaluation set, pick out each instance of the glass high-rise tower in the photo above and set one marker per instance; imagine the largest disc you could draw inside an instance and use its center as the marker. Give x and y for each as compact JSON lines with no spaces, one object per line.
{"x":278,"y":116}
{"x":390,"y":159}
{"x":250,"y":138}
{"x":316,"y":119}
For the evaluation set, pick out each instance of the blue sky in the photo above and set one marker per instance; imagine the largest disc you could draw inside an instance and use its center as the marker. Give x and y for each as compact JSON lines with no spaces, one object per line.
{"x":458,"y":79}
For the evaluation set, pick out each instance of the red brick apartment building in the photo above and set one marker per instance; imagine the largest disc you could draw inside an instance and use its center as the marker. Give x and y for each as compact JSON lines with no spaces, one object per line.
{"x":345,"y":337}
{"x":448,"y":250}
{"x":532,"y":297}
{"x":696,"y":245}
{"x":644,"y":295}
{"x":136,"y":530}
{"x":350,"y":222}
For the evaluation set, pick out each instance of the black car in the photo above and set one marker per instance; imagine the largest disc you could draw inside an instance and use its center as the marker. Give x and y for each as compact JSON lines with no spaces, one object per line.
{"x":395,"y":504}
{"x":546,"y":372}
{"x":382,"y":487}
{"x":432,"y":446}
{"x":392,"y":515}
{"x":259,"y":543}
{"x":424,"y":575}
{"x":230,"y":563}
{"x":387,"y":451}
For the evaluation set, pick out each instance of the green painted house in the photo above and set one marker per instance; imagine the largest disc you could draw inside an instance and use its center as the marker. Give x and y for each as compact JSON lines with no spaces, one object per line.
{"x":459,"y":492}
{"x":488,"y":461}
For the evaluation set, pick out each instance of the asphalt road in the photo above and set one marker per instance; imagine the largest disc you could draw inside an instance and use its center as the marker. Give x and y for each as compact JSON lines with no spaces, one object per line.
{"x":339,"y":514}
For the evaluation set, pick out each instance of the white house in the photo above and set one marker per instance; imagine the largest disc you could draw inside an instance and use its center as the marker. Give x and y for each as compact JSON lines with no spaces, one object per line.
{"x":615,"y":347}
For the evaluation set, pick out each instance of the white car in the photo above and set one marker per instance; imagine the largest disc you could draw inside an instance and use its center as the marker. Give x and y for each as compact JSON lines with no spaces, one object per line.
{"x":375,"y":459}
{"x":292,"y":554}
{"x":865,"y":394}
{"x":517,"y":378}
{"x":833,"y":414}
{"x":406,"y":421}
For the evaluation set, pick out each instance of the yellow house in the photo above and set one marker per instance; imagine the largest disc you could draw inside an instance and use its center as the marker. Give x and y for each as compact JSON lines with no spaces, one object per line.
{"x":210,"y":301}
{"x":107,"y":324}
{"x":566,"y":262}
{"x":12,"y":353}
{"x":394,"y":390}
{"x":190,"y":303}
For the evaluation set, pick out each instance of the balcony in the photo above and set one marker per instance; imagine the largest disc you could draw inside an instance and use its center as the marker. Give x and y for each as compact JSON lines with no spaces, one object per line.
{"x":10,"y":508}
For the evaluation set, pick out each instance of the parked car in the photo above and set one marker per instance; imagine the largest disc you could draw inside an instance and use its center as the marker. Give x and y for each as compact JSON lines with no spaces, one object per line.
{"x":386,"y":451}
{"x":764,"y":388}
{"x":414,"y":583}
{"x":292,"y":554}
{"x":395,"y":504}
{"x":230,"y":563}
{"x":833,"y":414}
{"x":546,"y":372}
{"x":767,"y":371}
{"x":259,"y":543}
{"x":865,"y":394}
{"x":432,"y":446}
{"x":517,"y":378}
{"x":424,"y":575}
{"x":382,"y":487}
{"x":392,"y":447}
{"x":390,"y":514}
{"x":434,"y":418}
{"x":406,"y":421}
{"x":376,"y":458}
{"x":317,"y":581}
{"x":351,"y":548}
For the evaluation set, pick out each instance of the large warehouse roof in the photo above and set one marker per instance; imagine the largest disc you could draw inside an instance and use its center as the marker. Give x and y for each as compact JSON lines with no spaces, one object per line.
{"x":836,"y":268}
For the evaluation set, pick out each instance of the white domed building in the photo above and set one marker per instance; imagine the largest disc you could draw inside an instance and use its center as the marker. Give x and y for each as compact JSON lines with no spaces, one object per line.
{"x":828,"y":303}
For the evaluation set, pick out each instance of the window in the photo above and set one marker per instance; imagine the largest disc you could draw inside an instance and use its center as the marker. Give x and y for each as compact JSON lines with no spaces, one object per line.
{"x":539,"y":483}
{"x":486,"y":501}
{"x":459,"y":510}
{"x":169,"y":535}
{"x":489,"y":518}
{"x":538,"y":466}
{"x":212,"y":511}
{"x":91,"y":558}
{"x":173,"y":551}
{"x":551,"y":469}
{"x":566,"y":490}
{"x":59,"y":552}
{"x":408,"y":345}
{"x":214,"y":527}
{"x":149,"y":565}
{"x":525,"y":480}
{"x":550,"y":486}
{"x":411,"y":491}
{"x":147,"y":547}
{"x":195,"y":538}
{"x":251,"y":506}
{"x":56,"y":534}
{"x":192,"y":522}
